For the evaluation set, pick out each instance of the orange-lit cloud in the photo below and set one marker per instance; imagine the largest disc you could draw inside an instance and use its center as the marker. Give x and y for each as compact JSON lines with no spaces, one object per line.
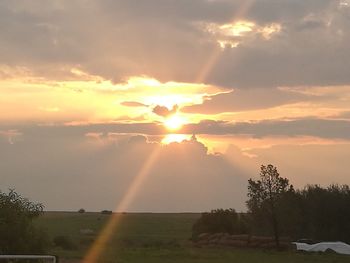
{"x":232,"y":34}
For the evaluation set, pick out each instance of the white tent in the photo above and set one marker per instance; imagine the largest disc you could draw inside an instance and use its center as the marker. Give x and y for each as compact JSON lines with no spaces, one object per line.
{"x":338,"y":247}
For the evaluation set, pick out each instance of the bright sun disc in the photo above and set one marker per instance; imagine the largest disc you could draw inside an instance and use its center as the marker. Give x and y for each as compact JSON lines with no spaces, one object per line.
{"x":174,"y":122}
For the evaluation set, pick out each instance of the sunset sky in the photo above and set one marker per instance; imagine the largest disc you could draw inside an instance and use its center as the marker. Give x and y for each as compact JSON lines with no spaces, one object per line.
{"x":171,"y":105}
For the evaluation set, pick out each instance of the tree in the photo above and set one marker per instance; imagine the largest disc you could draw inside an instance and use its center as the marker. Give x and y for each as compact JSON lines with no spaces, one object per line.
{"x":17,"y":231}
{"x":264,"y":196}
{"x":325,"y":212}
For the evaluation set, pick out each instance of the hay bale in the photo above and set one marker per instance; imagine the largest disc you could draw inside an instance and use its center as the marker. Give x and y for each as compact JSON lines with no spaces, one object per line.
{"x":202,"y":242}
{"x":268,"y":245}
{"x":239,"y":237}
{"x":237,"y":243}
{"x":204,"y":236}
{"x":261,"y":239}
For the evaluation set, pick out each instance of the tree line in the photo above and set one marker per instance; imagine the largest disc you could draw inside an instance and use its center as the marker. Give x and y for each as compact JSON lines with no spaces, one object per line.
{"x":276,"y":208}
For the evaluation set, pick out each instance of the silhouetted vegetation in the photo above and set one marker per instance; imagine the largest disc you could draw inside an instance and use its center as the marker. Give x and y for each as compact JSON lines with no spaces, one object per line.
{"x":315,"y":212}
{"x":106,"y":212}
{"x":220,"y":221}
{"x":324,"y":213}
{"x":81,"y":210}
{"x":276,"y":209}
{"x":265,"y":196}
{"x":17,"y":232}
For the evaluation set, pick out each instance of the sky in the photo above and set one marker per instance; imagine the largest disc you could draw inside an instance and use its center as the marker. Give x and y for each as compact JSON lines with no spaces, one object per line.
{"x":171,"y":105}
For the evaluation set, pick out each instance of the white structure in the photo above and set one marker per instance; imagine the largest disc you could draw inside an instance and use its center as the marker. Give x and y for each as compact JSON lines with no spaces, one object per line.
{"x":51,"y":258}
{"x":338,"y":247}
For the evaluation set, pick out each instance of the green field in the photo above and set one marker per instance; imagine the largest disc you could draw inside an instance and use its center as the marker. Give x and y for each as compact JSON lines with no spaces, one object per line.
{"x":155,"y":238}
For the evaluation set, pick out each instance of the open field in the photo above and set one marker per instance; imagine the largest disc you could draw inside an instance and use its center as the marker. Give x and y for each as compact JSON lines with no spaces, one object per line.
{"x":155,"y":238}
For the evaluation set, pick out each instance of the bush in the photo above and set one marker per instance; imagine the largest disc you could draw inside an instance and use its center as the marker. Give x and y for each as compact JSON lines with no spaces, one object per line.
{"x":220,"y":221}
{"x":64,"y":242}
{"x":18,"y":235}
{"x":81,"y":210}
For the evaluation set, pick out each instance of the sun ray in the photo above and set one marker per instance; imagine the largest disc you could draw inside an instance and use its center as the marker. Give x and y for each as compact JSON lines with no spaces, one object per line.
{"x":173,"y":123}
{"x":105,"y":235}
{"x":216,"y":54}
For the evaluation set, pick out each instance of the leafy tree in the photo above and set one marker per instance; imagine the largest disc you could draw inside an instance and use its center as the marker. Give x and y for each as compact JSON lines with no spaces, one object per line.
{"x":17,"y":232}
{"x":325,"y":212}
{"x":265,"y":196}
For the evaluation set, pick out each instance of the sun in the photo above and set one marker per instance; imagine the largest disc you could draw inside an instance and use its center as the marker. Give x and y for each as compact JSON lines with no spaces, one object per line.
{"x":174,"y":122}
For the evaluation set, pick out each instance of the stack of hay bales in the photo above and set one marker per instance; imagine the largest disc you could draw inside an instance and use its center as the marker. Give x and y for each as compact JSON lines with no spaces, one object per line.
{"x":239,"y":241}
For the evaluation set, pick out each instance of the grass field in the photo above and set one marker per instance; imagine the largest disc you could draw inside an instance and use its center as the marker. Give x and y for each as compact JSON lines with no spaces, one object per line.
{"x":155,"y":238}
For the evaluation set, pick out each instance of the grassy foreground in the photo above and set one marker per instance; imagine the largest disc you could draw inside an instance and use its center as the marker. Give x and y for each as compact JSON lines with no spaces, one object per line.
{"x":155,"y":238}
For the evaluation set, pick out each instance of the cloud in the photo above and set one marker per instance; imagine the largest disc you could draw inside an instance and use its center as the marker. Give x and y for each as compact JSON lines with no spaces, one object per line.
{"x":86,"y":81}
{"x":133,"y":104}
{"x":162,"y":39}
{"x":342,"y":115}
{"x":10,"y":135}
{"x":246,"y":99}
{"x":323,"y":128}
{"x":332,"y":129}
{"x":64,"y":171}
{"x":164,"y":111}
{"x":101,"y":170}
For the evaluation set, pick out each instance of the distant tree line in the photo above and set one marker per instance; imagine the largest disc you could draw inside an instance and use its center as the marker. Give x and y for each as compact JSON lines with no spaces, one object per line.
{"x":276,"y":209}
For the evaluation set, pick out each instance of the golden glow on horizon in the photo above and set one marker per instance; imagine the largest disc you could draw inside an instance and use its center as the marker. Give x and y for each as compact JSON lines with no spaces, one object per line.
{"x":89,"y":98}
{"x":170,"y":138}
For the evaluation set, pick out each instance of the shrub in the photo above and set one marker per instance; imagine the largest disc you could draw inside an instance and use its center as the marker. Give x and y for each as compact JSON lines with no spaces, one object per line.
{"x":18,"y":235}
{"x":81,"y":210}
{"x":220,"y":221}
